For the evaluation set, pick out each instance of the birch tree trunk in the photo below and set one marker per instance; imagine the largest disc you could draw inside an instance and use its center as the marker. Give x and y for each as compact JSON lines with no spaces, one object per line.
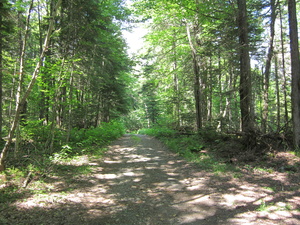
{"x":21,"y":76}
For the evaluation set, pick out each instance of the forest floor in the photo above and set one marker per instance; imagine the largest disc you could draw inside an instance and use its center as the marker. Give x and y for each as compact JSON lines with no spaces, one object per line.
{"x":139,"y":181}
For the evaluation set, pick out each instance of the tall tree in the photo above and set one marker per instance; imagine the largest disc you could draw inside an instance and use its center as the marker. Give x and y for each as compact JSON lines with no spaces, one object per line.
{"x":246,"y":107}
{"x":282,"y":49}
{"x":230,"y":91}
{"x":197,"y":82}
{"x":4,"y":24}
{"x":1,"y":61}
{"x":268,"y":67}
{"x":295,"y":68}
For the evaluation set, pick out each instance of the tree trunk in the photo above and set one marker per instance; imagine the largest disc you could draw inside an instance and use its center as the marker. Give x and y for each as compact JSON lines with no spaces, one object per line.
{"x":286,"y":113}
{"x":70,"y":106}
{"x":267,"y":69}
{"x":197,"y":90}
{"x":176,"y":108}
{"x":28,"y":90}
{"x":1,"y":65}
{"x":295,"y":63}
{"x":197,"y":94}
{"x":277,"y":94}
{"x":247,"y":118}
{"x":210,"y":93}
{"x":21,"y":79}
{"x":44,"y":99}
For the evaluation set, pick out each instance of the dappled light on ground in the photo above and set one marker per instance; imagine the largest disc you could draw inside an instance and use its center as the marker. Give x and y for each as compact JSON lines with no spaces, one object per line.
{"x":140,"y":182}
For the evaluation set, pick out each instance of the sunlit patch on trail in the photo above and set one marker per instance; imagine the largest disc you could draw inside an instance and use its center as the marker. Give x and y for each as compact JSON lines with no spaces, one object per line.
{"x":130,"y":174}
{"x":107,"y":176}
{"x":194,"y":208}
{"x":111,"y":162}
{"x":137,"y":158}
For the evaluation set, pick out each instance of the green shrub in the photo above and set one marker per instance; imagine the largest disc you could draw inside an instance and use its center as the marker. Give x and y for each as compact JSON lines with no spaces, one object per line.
{"x":64,"y":153}
{"x":35,"y":130}
{"x":101,"y":135}
{"x":190,"y":147}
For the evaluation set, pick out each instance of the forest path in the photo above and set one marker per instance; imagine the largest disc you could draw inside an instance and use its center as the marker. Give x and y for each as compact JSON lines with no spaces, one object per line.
{"x":139,"y":181}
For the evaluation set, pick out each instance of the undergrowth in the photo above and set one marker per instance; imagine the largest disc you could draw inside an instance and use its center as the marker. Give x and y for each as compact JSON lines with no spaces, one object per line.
{"x":158,"y":132}
{"x":34,"y":162}
{"x":221,"y":153}
{"x":195,"y":147}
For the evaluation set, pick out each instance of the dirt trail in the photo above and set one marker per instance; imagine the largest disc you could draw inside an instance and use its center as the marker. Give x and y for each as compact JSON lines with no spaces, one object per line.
{"x":140,"y":182}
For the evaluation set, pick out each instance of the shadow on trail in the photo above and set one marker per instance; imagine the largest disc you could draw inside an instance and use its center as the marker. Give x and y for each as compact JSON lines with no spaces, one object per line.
{"x":140,"y":182}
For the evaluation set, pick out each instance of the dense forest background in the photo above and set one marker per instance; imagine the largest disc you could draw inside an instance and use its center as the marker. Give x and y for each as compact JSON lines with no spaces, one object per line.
{"x":66,"y":77}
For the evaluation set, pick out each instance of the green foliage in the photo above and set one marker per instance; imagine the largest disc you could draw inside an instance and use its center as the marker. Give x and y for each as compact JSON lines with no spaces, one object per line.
{"x":192,"y":147}
{"x":158,"y":132}
{"x":168,"y":63}
{"x":135,"y":139}
{"x":64,"y":153}
{"x":11,"y":194}
{"x":263,"y":206}
{"x":68,"y":159}
{"x":271,"y":206}
{"x":100,"y":136}
{"x":296,"y":153}
{"x":17,"y":174}
{"x":209,"y":134}
{"x":34,"y":157}
{"x":35,"y":130}
{"x":61,"y":168}
{"x":96,"y":151}
{"x":134,"y":120}
{"x":35,"y":137}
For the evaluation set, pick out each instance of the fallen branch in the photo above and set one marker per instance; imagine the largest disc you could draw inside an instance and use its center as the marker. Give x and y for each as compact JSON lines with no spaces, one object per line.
{"x":27,"y":180}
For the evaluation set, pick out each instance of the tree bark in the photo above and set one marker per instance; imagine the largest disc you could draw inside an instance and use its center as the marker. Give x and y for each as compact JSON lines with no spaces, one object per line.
{"x":247,"y":121}
{"x":277,"y":94}
{"x":295,"y":66}
{"x":70,"y":106}
{"x":21,"y":78}
{"x":176,"y":108}
{"x":197,"y":90}
{"x":1,"y":64}
{"x":286,"y":114}
{"x":28,"y":90}
{"x":267,"y":69}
